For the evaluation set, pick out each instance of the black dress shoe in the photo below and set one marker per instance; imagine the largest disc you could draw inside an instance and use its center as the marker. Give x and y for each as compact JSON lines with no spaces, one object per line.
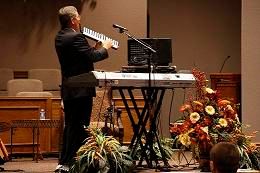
{"x":62,"y":169}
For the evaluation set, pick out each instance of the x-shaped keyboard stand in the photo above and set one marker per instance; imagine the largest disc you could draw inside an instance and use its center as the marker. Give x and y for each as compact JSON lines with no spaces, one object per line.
{"x":153,"y":98}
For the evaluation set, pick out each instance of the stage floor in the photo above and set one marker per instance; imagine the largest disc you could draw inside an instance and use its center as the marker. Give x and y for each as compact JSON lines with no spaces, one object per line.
{"x":27,"y":165}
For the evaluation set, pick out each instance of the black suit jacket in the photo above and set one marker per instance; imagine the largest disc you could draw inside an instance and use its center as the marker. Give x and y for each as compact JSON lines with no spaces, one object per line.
{"x":76,"y":56}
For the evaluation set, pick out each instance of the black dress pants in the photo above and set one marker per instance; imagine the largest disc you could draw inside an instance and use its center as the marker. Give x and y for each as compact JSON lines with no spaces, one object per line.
{"x":77,"y":116}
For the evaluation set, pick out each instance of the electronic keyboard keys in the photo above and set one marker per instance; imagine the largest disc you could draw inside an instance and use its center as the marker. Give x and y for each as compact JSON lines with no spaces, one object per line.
{"x":99,"y":37}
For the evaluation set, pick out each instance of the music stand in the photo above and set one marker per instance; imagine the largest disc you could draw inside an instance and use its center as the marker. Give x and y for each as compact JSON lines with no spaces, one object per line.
{"x":152,"y":134}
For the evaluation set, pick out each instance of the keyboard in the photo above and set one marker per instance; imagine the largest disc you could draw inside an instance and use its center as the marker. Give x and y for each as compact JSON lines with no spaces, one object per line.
{"x":116,"y":79}
{"x":99,"y":37}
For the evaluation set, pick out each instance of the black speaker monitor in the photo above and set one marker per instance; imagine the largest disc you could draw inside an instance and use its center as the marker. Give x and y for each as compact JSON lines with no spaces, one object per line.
{"x":138,"y":55}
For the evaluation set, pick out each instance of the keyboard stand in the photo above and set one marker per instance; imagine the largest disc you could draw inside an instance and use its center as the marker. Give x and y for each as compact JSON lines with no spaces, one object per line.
{"x":150,"y":111}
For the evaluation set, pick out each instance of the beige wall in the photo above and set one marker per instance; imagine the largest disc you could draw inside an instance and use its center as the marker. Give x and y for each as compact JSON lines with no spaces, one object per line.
{"x":203,"y":34}
{"x":28,"y":29}
{"x":251,"y":64}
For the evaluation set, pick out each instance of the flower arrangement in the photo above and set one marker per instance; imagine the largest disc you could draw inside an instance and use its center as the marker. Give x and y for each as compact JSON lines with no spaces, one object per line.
{"x":209,"y":119}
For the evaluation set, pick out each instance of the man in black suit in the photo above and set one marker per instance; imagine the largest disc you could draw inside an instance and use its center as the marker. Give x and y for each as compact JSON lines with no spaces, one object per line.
{"x":76,"y":56}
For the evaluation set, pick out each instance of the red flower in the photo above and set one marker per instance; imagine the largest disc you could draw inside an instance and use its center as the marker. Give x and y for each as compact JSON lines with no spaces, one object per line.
{"x":207,"y":121}
{"x":185,"y":107}
{"x":175,"y":128}
{"x":223,"y":103}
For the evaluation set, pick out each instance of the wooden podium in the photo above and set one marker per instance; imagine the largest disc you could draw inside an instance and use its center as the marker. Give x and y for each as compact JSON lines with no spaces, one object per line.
{"x":229,"y":86}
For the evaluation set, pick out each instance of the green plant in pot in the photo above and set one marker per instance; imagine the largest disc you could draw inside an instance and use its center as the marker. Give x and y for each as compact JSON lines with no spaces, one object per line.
{"x":101,"y":154}
{"x":163,"y":154}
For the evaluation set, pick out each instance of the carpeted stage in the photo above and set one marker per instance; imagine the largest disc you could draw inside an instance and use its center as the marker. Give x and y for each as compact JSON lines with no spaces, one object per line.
{"x":26,"y":165}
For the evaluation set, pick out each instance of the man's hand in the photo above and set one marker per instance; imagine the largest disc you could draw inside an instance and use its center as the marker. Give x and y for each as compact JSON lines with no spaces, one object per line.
{"x":98,"y":45}
{"x":107,"y":44}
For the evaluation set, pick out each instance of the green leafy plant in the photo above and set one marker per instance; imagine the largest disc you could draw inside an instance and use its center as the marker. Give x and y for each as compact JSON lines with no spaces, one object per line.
{"x":167,"y":149}
{"x":102,"y":154}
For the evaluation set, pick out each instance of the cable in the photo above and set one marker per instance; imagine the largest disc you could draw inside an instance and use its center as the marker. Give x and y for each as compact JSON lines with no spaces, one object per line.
{"x":102,"y":101}
{"x":184,"y":95}
{"x":171,"y":106}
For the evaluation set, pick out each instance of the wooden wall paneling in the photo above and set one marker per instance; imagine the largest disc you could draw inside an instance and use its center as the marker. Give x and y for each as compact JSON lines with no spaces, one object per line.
{"x":55,"y":135}
{"x":47,"y":131}
{"x":128,"y":129}
{"x":230,"y":90}
{"x":229,"y":86}
{"x":49,"y":139}
{"x":56,"y":108}
{"x":21,"y":135}
{"x":223,"y":77}
{"x":24,"y":101}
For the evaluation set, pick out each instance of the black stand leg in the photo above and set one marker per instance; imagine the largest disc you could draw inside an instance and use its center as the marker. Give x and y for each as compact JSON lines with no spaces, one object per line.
{"x":150,"y":111}
{"x":33,"y":138}
{"x":11,"y":146}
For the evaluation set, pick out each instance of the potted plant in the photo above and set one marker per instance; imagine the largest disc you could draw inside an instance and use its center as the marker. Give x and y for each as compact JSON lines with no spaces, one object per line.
{"x":166,"y":145}
{"x":102,"y":154}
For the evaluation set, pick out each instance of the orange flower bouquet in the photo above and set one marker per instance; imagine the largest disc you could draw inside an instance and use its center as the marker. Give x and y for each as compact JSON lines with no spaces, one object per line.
{"x":208,"y":119}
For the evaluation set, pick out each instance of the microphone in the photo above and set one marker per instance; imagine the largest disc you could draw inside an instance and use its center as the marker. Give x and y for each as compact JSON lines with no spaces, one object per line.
{"x":121,"y":28}
{"x":224,"y":63}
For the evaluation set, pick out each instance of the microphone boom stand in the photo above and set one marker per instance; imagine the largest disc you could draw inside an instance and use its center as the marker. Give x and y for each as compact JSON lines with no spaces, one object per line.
{"x":149,"y":98}
{"x":150,"y":52}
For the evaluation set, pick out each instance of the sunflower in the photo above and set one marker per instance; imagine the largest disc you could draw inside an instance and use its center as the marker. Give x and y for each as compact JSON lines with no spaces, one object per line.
{"x":194,"y":117}
{"x":223,"y":122}
{"x":210,"y":110}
